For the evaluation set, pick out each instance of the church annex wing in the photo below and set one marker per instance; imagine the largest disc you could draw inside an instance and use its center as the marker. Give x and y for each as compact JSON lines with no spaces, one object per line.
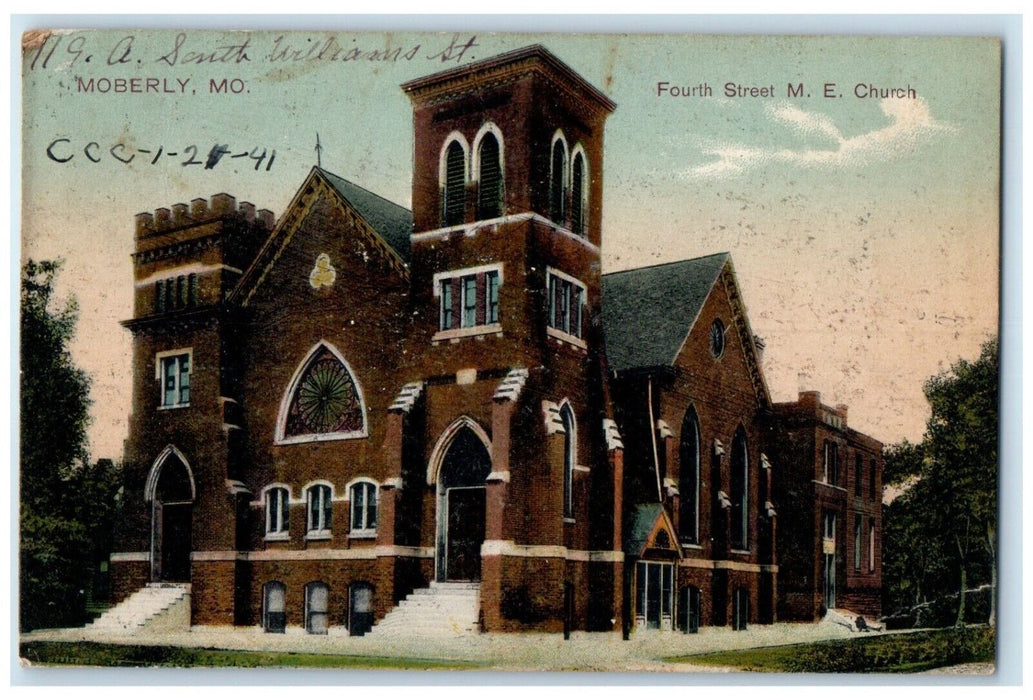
{"x":649,"y":312}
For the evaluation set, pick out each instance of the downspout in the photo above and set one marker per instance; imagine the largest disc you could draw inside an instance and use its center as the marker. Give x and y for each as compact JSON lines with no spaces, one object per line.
{"x":652,"y":434}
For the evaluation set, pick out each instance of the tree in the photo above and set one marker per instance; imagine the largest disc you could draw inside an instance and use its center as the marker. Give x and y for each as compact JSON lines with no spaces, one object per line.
{"x":961,"y":447}
{"x":66,"y":502}
{"x":942,"y":531}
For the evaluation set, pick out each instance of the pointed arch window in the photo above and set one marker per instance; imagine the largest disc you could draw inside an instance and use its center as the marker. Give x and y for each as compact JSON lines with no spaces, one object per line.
{"x":577,"y":194}
{"x":489,"y":190}
{"x":569,"y":458}
{"x":453,"y":196}
{"x":324,"y":401}
{"x":689,"y":479}
{"x":557,"y":180}
{"x":740,"y":491}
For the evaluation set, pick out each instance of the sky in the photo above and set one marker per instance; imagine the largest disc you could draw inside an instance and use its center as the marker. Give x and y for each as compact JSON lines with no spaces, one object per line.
{"x":864,"y":231}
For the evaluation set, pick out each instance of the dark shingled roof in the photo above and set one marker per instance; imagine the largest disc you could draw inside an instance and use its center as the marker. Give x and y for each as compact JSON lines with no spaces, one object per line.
{"x":642,"y":521}
{"x":391,"y":221}
{"x":648,"y":311}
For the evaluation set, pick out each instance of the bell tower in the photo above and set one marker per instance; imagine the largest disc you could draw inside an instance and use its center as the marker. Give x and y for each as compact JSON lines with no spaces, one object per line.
{"x":517,"y":133}
{"x":506,"y":301}
{"x":507,"y":206}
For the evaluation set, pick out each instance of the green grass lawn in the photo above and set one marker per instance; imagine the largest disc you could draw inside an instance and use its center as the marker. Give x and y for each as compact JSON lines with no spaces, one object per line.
{"x":895,"y":653}
{"x":94,"y":654}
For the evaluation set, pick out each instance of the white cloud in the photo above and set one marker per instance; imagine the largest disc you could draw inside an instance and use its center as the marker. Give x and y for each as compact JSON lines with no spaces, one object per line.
{"x":910,"y":123}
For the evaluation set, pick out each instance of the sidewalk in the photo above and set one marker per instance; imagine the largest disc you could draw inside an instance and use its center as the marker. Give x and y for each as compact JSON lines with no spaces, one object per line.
{"x":510,"y":652}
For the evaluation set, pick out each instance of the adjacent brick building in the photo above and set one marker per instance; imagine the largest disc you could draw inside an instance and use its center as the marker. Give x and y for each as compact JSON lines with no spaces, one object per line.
{"x":336,"y":409}
{"x":830,"y":541}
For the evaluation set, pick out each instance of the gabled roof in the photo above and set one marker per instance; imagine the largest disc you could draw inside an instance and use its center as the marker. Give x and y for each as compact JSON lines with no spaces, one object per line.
{"x":647,"y":521}
{"x":387,"y":226}
{"x":392,"y":221}
{"x":649,"y":311}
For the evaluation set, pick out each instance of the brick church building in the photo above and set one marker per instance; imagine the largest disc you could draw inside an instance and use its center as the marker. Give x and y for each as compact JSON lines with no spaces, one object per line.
{"x":353,"y":404}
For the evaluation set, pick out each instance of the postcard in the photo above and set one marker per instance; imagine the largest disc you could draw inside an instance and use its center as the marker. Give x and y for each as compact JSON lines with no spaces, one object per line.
{"x":508,"y":351}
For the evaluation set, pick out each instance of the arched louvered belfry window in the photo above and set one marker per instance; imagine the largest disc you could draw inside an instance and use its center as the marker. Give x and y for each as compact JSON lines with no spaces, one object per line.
{"x":740,"y":491}
{"x":577,"y":195}
{"x":557,"y":181}
{"x":689,"y":479}
{"x":489,"y":191}
{"x":453,"y":196}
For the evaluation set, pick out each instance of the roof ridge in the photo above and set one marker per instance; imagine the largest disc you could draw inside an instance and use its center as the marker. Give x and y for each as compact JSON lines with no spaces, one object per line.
{"x":664,"y":264}
{"x":364,"y":189}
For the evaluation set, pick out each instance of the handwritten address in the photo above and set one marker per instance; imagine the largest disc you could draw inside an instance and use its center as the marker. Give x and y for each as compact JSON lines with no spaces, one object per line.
{"x":102,"y":50}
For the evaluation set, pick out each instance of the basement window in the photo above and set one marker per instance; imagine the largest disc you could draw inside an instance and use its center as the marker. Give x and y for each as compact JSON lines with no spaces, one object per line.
{"x":317,"y":607}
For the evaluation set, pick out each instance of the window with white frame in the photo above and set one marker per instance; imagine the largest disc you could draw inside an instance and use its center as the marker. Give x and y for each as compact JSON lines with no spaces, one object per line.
{"x":578,"y":193}
{"x":277,"y":512}
{"x":468,"y":299}
{"x":468,"y":304}
{"x":319,"y":509}
{"x":363,"y":498}
{"x":174,"y":374}
{"x":453,"y":191}
{"x":569,"y":458}
{"x":558,"y":179}
{"x":491,"y":312}
{"x":566,"y":300}
{"x":689,"y":478}
{"x":446,"y":317}
{"x":489,"y":188}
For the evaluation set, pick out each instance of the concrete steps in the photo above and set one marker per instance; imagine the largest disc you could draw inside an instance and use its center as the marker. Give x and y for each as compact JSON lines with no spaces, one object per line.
{"x":442,"y":610}
{"x":155,"y":607}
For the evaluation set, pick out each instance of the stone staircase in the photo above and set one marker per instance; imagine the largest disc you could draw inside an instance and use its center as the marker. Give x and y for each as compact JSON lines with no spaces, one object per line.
{"x":157,"y":607}
{"x":443,"y":610}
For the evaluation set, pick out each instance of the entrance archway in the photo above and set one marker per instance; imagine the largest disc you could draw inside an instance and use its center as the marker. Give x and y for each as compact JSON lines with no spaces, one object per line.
{"x":464,"y":466}
{"x":170,"y":489}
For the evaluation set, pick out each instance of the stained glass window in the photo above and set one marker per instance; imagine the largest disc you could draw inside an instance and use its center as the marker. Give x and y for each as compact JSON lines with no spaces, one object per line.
{"x":325,"y":399}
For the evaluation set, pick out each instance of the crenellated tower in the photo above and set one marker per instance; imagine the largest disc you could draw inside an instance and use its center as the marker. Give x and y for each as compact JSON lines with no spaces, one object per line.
{"x":184,"y":426}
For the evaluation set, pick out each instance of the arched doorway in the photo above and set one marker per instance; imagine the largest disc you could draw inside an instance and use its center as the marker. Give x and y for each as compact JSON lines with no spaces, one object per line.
{"x":170,"y":489}
{"x":464,"y":467}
